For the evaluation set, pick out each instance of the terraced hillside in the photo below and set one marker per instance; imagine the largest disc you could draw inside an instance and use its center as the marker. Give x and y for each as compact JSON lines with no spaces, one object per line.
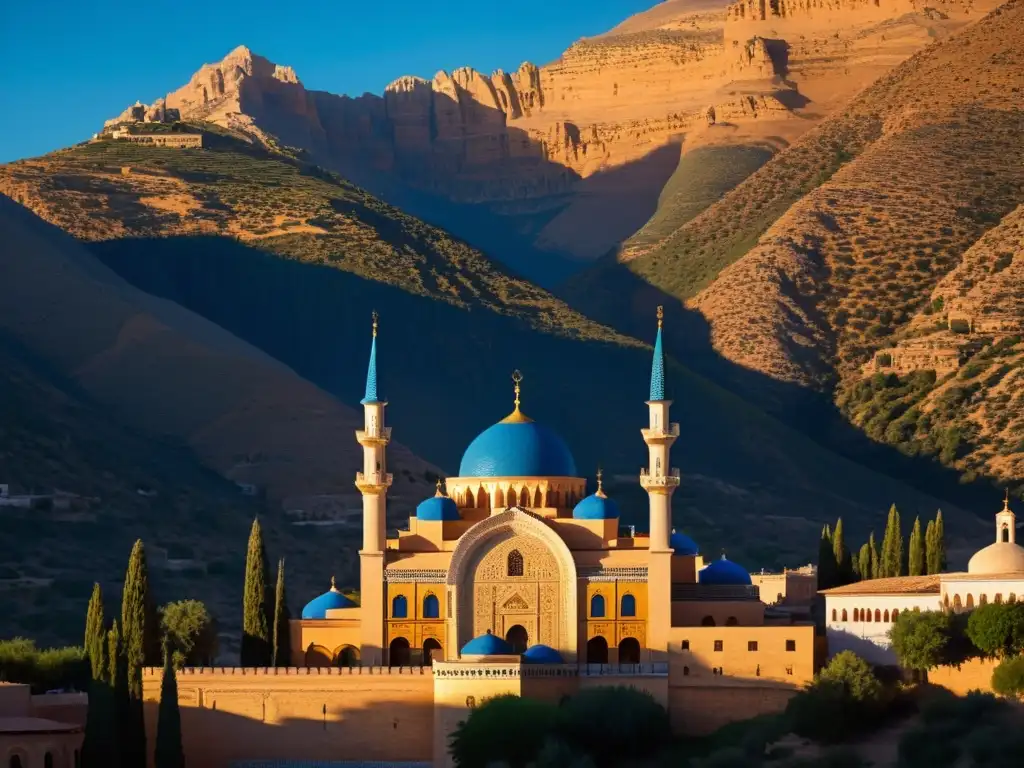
{"x":826,"y":254}
{"x":291,"y":259}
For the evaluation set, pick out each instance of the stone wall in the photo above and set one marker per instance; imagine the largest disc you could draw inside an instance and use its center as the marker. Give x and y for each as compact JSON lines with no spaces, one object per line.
{"x":361,"y":713}
{"x":698,"y":710}
{"x":975,"y":675}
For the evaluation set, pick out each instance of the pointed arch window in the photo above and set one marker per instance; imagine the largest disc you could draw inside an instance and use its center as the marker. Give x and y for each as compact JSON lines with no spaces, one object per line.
{"x":399,"y":607}
{"x":597,"y":607}
{"x":845,"y":615}
{"x":431,"y":607}
{"x":628,"y":606}
{"x":515,"y":563}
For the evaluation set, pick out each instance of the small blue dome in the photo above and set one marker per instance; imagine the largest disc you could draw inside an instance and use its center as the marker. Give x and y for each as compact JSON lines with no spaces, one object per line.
{"x":597,"y":506}
{"x":437,"y":508}
{"x":542,"y":654}
{"x":682,"y":544}
{"x":487,"y":645}
{"x":724,"y":572}
{"x":517,"y":447}
{"x":317,"y":607}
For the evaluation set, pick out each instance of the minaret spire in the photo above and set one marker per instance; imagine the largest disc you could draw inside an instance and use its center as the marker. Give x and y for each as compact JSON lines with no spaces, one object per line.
{"x":517,"y":416}
{"x":371,"y":370}
{"x":658,"y":364}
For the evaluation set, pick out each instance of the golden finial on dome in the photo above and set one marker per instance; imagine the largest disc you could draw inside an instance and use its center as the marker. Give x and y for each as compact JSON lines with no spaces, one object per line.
{"x":334,"y":586}
{"x":600,"y":489}
{"x":438,"y":493}
{"x":661,"y":314}
{"x":374,"y":315}
{"x":517,"y":416}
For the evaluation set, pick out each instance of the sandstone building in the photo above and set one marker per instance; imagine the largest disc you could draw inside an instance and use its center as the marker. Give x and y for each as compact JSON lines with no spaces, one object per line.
{"x":37,"y":731}
{"x":513,"y":578}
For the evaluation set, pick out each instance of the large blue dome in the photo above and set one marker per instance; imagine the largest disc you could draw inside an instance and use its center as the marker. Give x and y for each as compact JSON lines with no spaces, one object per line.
{"x":682,"y":544}
{"x":597,"y":506}
{"x":317,"y":607}
{"x":437,"y":508}
{"x":487,"y":645}
{"x":724,"y":572}
{"x":542,"y":654}
{"x":517,"y":448}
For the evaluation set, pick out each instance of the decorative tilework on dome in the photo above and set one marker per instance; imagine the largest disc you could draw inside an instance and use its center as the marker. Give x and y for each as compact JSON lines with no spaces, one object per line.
{"x":517,"y":449}
{"x":723,"y":572}
{"x":487,"y":645}
{"x":542,"y":654}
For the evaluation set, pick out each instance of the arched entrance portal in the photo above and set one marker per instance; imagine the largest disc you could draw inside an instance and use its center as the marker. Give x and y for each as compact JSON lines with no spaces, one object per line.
{"x":398,"y":653}
{"x":518,"y":638}
{"x":429,"y":646}
{"x":629,"y":651}
{"x":597,"y":650}
{"x":346,"y":656}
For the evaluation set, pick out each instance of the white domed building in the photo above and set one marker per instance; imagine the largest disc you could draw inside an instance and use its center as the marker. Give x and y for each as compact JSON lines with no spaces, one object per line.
{"x":860,"y":615}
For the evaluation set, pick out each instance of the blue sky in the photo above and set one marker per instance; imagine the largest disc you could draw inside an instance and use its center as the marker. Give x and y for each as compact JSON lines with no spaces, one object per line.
{"x":70,"y":64}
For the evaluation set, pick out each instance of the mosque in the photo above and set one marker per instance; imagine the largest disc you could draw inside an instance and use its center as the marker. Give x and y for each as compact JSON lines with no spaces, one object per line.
{"x":514,"y":577}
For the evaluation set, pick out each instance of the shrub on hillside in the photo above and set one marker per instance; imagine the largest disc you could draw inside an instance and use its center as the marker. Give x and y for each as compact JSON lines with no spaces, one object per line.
{"x":845,"y":699}
{"x":1008,"y":677}
{"x":946,"y":723}
{"x":43,"y":669}
{"x":997,"y":629}
{"x":631,"y":724}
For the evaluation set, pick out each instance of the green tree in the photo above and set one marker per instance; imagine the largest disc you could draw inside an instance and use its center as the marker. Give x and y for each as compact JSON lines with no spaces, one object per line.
{"x":936,"y":550}
{"x":99,"y":746}
{"x":117,"y":685}
{"x":930,"y":563}
{"x":169,"y":752}
{"x":506,"y":729}
{"x":632,"y":725}
{"x":135,"y":616}
{"x":893,"y":562}
{"x":916,"y":556}
{"x":844,"y":698}
{"x":190,"y":632}
{"x":1008,"y":677}
{"x":256,"y":645}
{"x":855,"y":675}
{"x":876,"y":563}
{"x":864,"y":561}
{"x":844,"y":568}
{"x":997,"y":629}
{"x":96,"y":634}
{"x":922,"y":640}
{"x":826,"y":560}
{"x":282,"y":646}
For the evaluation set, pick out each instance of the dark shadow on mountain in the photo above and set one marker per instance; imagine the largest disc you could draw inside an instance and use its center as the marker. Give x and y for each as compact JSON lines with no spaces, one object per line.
{"x":614,"y":295}
{"x":778,"y":50}
{"x":752,"y":483}
{"x":791,"y":98}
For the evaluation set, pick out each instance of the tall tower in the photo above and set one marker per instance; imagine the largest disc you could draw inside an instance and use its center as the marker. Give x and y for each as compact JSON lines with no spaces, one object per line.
{"x":373,"y":483}
{"x":660,"y":481}
{"x":1006,"y":522}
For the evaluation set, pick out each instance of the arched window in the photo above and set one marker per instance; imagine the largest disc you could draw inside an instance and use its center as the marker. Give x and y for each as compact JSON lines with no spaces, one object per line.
{"x":895,"y":613}
{"x":1006,"y":533}
{"x":885,"y":616}
{"x":998,"y":599}
{"x":398,"y":653}
{"x":957,"y":605}
{"x":878,"y":615}
{"x":318,"y":656}
{"x":970,"y":602}
{"x":346,"y":656}
{"x":867,"y":614}
{"x":835,"y":615}
{"x":629,"y":651}
{"x":856,"y":614}
{"x":429,"y":646}
{"x":628,"y":606}
{"x":597,"y":650}
{"x":1012,"y":598}
{"x":431,"y":607}
{"x":845,"y":615}
{"x":517,"y":638}
{"x":686,"y":670}
{"x":731,"y":622}
{"x":399,"y":607}
{"x":597,"y":607}
{"x":515,"y":563}
{"x":983,"y":599}
{"x":707,"y":621}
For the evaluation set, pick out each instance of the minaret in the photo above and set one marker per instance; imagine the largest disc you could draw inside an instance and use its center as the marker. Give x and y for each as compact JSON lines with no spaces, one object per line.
{"x":1006,"y":522}
{"x":373,"y":483}
{"x":660,"y":481}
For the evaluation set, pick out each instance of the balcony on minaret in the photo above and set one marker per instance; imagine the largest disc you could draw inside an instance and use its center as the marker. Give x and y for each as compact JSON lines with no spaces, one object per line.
{"x":369,"y":482}
{"x":665,"y":482}
{"x":374,"y":436}
{"x":660,"y":434}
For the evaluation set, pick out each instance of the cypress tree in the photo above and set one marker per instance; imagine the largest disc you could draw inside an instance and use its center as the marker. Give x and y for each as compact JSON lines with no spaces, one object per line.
{"x":940,"y":542}
{"x":864,"y":561}
{"x":876,"y":565}
{"x":916,"y":556}
{"x":256,"y":642}
{"x":844,"y":568}
{"x":134,"y":603}
{"x":931,"y":561}
{"x":826,"y":561}
{"x":282,"y":656}
{"x":893,"y":563}
{"x":117,"y":702}
{"x":169,"y":752}
{"x":96,"y":635}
